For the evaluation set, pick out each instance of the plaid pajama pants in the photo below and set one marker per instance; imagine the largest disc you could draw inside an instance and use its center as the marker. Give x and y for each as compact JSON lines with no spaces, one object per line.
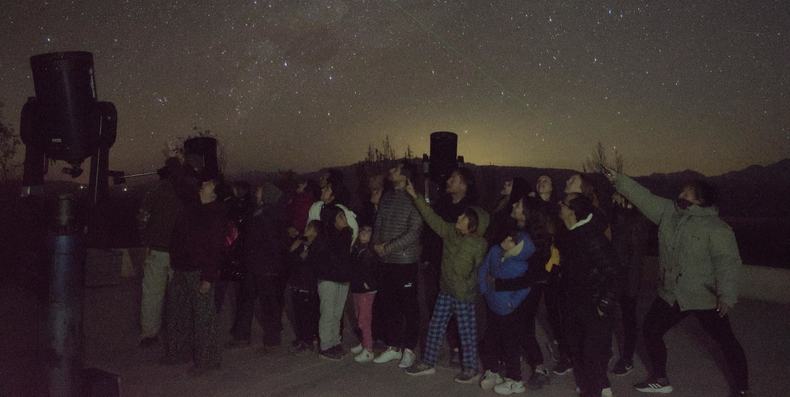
{"x":446,"y":305}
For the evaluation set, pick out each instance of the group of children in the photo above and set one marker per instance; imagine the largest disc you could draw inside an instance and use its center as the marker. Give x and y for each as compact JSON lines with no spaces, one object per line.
{"x":327,"y":264}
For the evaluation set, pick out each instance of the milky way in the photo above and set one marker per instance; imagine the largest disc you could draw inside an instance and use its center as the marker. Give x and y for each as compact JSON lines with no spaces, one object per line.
{"x":671,"y":85}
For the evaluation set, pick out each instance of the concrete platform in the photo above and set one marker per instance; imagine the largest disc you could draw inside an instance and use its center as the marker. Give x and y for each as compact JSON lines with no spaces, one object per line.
{"x":696,"y":366}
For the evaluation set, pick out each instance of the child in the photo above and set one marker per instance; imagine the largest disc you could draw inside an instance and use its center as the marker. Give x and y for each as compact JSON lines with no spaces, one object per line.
{"x":463,"y":250}
{"x":505,"y":316}
{"x":363,"y":288}
{"x":334,"y":274}
{"x":303,"y":255}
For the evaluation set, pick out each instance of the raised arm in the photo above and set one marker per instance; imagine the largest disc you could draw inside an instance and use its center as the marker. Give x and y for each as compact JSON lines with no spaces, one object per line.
{"x":651,"y":205}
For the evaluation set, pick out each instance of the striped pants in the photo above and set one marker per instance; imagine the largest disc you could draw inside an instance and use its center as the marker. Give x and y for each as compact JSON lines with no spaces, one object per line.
{"x":446,"y":305}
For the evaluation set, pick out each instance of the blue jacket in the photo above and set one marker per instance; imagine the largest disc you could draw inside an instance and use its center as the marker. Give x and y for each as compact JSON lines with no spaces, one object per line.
{"x":504,"y":265}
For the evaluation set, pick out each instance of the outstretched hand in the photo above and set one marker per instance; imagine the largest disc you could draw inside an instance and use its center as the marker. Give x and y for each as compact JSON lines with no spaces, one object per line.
{"x":609,"y":173}
{"x":410,"y":189}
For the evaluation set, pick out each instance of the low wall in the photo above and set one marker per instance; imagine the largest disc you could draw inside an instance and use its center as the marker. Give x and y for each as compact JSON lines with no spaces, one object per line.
{"x":756,"y":282}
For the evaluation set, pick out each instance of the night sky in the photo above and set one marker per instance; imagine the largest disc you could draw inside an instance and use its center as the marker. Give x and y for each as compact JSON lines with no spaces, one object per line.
{"x":672,"y":85}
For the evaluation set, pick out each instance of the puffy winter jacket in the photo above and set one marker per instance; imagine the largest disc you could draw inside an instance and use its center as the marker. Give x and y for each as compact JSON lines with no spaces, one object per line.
{"x":461,"y":254}
{"x":505,"y":265}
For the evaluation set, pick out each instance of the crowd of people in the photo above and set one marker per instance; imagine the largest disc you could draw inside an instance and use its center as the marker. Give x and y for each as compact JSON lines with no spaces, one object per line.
{"x":486,"y":269}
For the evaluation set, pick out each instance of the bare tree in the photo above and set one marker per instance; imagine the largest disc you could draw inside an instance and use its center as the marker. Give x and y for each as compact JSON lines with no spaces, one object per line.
{"x":371,"y":154}
{"x":598,"y":160}
{"x":387,"y":152}
{"x":9,"y":142}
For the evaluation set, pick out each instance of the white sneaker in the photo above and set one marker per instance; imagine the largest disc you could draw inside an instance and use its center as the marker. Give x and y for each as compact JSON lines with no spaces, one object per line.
{"x":509,"y":387}
{"x":364,"y":356}
{"x":407,"y":360}
{"x":388,"y":355}
{"x":356,"y":349}
{"x":490,"y":379}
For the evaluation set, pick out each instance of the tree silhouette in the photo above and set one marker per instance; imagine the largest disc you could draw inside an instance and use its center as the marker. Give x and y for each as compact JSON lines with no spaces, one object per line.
{"x":598,"y":161}
{"x":9,"y":142}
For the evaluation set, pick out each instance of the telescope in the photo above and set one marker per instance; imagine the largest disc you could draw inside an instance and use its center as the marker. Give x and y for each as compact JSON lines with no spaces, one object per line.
{"x":444,"y":159}
{"x":65,"y":121}
{"x":200,"y":154}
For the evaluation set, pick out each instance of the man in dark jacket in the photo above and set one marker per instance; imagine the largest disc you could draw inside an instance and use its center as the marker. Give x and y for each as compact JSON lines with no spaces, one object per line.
{"x":629,"y":236}
{"x":160,"y":209}
{"x":264,"y":243}
{"x":395,"y":240}
{"x":591,"y":278}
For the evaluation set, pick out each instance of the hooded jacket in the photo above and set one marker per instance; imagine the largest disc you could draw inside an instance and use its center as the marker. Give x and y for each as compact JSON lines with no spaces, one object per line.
{"x":461,"y":254}
{"x":591,"y":273}
{"x":505,"y":264}
{"x":699,"y":261}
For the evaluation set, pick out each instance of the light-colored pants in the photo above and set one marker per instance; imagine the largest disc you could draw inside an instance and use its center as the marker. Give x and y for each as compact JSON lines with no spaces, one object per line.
{"x":333,"y":299}
{"x":157,"y":273}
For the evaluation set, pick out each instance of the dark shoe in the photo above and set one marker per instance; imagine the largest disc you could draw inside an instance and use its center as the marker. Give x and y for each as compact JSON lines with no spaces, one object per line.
{"x":334,"y":353}
{"x":237,"y":343}
{"x":468,"y":376}
{"x":296,"y":346}
{"x":623,"y":367}
{"x":196,"y":371}
{"x":146,"y":343}
{"x":743,"y":393}
{"x":420,"y":369}
{"x":329,"y":355}
{"x":654,"y":385}
{"x":538,"y":379}
{"x":563,"y":367}
{"x":303,"y":350}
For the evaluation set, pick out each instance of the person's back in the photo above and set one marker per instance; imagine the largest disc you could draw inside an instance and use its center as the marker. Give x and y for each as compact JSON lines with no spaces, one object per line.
{"x":159,"y":211}
{"x":588,"y":261}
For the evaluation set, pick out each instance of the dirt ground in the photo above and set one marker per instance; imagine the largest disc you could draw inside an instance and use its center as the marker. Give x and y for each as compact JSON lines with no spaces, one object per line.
{"x":111,"y":326}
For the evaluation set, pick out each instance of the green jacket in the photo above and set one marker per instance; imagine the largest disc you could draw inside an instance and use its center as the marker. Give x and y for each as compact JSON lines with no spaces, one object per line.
{"x":698,"y":257}
{"x":461,"y":254}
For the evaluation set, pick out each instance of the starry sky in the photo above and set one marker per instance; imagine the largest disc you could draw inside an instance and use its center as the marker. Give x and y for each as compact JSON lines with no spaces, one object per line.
{"x":671,"y":85}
